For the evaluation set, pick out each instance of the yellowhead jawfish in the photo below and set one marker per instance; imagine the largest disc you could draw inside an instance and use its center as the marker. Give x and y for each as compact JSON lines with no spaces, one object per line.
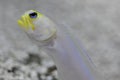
{"x":69,"y":59}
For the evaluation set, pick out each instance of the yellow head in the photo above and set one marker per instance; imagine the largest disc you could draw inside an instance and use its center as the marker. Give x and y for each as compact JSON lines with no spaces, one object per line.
{"x":37,"y":26}
{"x":27,"y":19}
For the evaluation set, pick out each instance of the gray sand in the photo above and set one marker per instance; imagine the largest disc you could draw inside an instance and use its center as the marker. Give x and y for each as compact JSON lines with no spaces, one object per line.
{"x":95,"y":22}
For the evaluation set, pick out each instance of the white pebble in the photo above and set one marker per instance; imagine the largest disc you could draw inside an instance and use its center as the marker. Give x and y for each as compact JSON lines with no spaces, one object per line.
{"x":55,"y":74}
{"x":47,"y":63}
{"x":43,"y":77}
{"x":42,"y":70}
{"x":49,"y":78}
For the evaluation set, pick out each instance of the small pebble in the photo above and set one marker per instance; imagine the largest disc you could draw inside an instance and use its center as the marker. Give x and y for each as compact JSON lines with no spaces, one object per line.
{"x":49,"y":78}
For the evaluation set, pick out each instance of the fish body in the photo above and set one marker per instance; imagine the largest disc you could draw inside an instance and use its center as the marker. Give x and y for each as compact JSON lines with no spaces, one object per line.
{"x":69,"y":59}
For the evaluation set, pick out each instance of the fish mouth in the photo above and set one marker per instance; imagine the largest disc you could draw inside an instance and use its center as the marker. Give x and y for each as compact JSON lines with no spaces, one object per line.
{"x":25,"y":23}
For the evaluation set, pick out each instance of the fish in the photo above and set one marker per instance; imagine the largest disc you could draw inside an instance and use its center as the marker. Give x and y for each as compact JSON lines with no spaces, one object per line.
{"x":70,"y":58}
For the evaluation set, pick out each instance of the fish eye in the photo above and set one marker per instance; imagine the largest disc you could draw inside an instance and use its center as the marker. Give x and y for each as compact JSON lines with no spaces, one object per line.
{"x":33,"y":15}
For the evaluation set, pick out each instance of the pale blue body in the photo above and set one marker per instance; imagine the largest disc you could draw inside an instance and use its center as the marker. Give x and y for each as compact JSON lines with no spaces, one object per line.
{"x":71,"y":62}
{"x":69,"y":57}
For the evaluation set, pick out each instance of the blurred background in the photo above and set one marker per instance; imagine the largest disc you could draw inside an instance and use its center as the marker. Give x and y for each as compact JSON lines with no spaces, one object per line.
{"x":94,"y":22}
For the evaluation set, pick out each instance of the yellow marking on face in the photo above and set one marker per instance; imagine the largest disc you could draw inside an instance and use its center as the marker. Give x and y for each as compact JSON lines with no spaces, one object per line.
{"x":27,"y":19}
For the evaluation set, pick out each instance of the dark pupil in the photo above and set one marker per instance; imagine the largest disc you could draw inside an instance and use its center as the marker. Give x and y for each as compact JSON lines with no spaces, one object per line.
{"x":33,"y":15}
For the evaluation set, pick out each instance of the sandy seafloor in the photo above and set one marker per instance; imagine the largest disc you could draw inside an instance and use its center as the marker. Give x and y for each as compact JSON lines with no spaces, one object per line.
{"x":95,"y":22}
